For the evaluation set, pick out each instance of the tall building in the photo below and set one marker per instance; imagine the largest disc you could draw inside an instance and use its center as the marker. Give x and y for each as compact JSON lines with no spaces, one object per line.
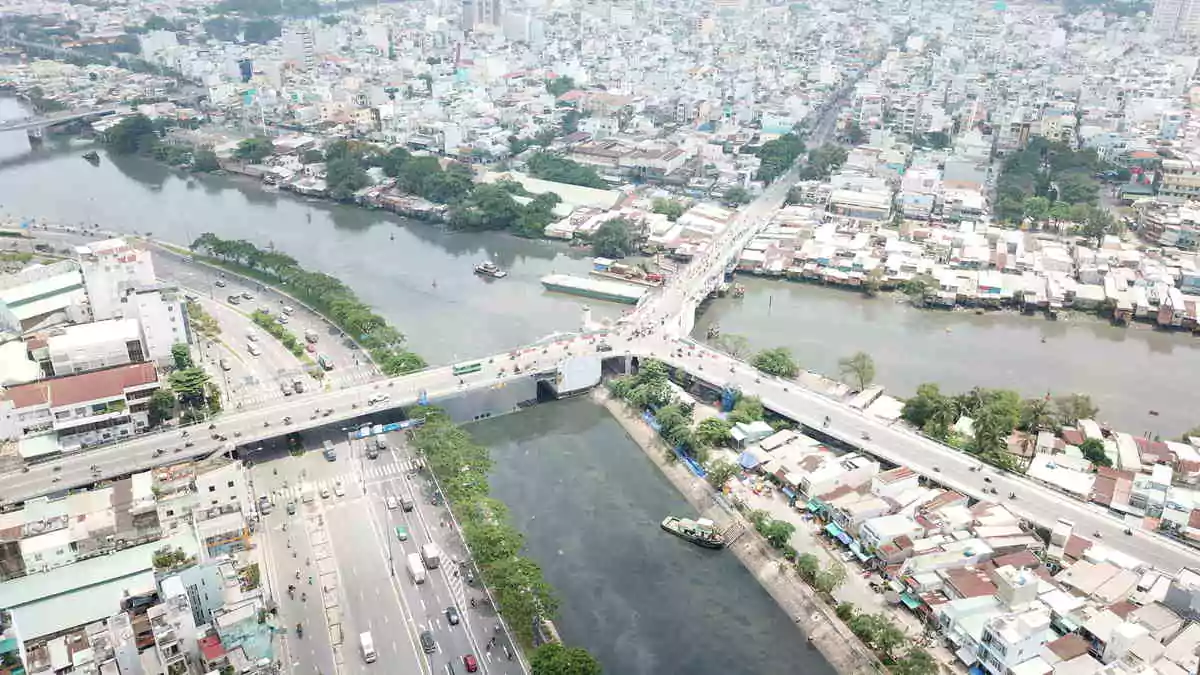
{"x":482,"y":12}
{"x":111,"y":270}
{"x":1176,"y":17}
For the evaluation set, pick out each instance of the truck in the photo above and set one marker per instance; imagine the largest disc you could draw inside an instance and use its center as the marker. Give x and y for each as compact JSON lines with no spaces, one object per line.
{"x":328,"y":450}
{"x":415,"y":569}
{"x":368,"y":647}
{"x":432,"y":555}
{"x":311,"y":336}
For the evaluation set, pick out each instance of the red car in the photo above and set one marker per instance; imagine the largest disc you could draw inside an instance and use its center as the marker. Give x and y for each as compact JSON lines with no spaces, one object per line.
{"x":311,"y":348}
{"x":471,"y":664}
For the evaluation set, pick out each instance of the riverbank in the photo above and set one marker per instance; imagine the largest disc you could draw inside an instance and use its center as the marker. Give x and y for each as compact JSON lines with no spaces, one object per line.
{"x":815,"y":620}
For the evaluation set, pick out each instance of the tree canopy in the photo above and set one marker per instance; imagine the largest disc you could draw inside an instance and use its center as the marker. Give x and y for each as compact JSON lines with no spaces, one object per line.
{"x":823,"y":161}
{"x":777,"y":362}
{"x":614,"y":238}
{"x":859,"y":368}
{"x":777,"y":156}
{"x":254,"y":150}
{"x":1052,"y":173}
{"x":554,"y":168}
{"x":555,"y":659}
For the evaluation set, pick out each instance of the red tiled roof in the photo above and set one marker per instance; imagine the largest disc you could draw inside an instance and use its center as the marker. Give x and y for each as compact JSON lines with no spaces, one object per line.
{"x":211,"y":648}
{"x":1020,"y":560}
{"x":970,"y":582}
{"x":1068,"y":646}
{"x":1073,"y":436}
{"x":1122,"y":609}
{"x":85,"y":387}
{"x":1103,"y":489}
{"x":895,"y":475}
{"x":1076,"y":547}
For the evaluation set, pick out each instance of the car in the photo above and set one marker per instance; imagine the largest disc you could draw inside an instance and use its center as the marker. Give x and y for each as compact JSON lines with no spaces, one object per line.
{"x":190,"y":297}
{"x":378,"y":398}
{"x":224,"y":363}
{"x":470,"y":663}
{"x":234,"y":299}
{"x":339,"y":489}
{"x":324,"y":493}
{"x":219,"y":283}
{"x":282,"y":319}
{"x":428,"y":644}
{"x":288,"y":309}
{"x":291,"y":508}
{"x":391,"y":502}
{"x":253,"y":337}
{"x":253,"y":349}
{"x":247,"y":295}
{"x":402,"y":533}
{"x":603,"y":347}
{"x":310,"y":348}
{"x":285,"y":388}
{"x":452,"y":615}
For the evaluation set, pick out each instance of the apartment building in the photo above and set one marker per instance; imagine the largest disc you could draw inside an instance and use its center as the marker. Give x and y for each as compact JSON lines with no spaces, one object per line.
{"x":1180,"y":178}
{"x":41,"y":296}
{"x":93,"y":346}
{"x":81,"y":410}
{"x":111,"y":270}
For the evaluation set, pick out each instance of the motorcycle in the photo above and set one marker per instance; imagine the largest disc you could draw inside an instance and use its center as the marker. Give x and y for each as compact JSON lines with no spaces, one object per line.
{"x":299,"y":631}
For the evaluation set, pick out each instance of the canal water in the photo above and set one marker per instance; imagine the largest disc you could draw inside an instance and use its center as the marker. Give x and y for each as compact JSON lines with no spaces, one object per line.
{"x":590,"y":502}
{"x":1128,"y":372}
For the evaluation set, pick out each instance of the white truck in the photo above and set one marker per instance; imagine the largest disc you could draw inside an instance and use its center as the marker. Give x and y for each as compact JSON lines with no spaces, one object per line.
{"x":415,"y":569}
{"x":368,"y":647}
{"x":432,"y":555}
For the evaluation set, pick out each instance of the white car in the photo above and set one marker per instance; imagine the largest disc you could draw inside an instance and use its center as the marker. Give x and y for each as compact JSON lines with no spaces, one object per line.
{"x":288,"y":309}
{"x":253,"y":337}
{"x":338,"y":489}
{"x":391,"y":502}
{"x":324,"y":493}
{"x":378,"y":398}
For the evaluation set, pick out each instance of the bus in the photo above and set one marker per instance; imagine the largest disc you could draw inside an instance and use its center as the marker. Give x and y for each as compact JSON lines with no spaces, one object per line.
{"x":328,"y":450}
{"x":467,"y":368}
{"x":325,"y":362}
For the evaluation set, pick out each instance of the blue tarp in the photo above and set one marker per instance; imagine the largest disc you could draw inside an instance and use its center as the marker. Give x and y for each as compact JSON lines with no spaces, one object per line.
{"x":857,"y":548}
{"x":747,"y":460}
{"x":789,"y":492}
{"x":844,"y":538}
{"x":833,"y":529}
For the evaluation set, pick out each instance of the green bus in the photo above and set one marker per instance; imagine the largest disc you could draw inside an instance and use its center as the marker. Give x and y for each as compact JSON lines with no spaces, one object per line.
{"x":466,"y":368}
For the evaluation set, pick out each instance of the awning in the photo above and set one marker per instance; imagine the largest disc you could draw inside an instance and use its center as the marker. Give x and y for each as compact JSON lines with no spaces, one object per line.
{"x":789,"y":492}
{"x":858,"y":552}
{"x":813,"y":505}
{"x":845,"y":538}
{"x":967,"y":656}
{"x":833,"y":529}
{"x":909,"y":601}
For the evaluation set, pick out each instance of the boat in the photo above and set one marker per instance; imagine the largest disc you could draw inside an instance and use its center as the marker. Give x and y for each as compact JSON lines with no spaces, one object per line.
{"x":599,"y":289}
{"x":701,"y":532}
{"x":490,"y":269}
{"x":92,"y":156}
{"x":714,"y":332}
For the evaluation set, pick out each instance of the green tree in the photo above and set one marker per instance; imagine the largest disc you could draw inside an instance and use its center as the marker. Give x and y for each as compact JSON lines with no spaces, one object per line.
{"x":315,"y":156}
{"x":614,"y":239}
{"x":859,"y":368}
{"x":1098,"y":224}
{"x":855,"y":134}
{"x":747,"y":409}
{"x":828,"y":579}
{"x":919,"y":287}
{"x":719,"y":471}
{"x":555,"y":659}
{"x":205,"y":161}
{"x":713,"y":431}
{"x":938,"y":140}
{"x":808,"y":567}
{"x":733,"y":344}
{"x":776,"y":532}
{"x":189,"y":386}
{"x":1037,"y":415}
{"x":737,"y":195}
{"x":131,"y":135}
{"x":254,"y":150}
{"x":261,"y":31}
{"x":1074,"y":407}
{"x":560,"y":85}
{"x":1093,"y":451}
{"x":553,"y":168}
{"x":888,"y":637}
{"x":668,"y":207}
{"x":845,"y":611}
{"x":156,"y":22}
{"x":181,"y":354}
{"x":777,"y":362}
{"x":778,"y":155}
{"x":161,"y":406}
{"x":916,"y":661}
{"x":344,"y":177}
{"x":1037,"y":209}
{"x":823,"y":161}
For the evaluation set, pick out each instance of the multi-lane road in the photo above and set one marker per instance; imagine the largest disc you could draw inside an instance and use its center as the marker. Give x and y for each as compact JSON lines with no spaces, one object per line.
{"x":347,"y":539}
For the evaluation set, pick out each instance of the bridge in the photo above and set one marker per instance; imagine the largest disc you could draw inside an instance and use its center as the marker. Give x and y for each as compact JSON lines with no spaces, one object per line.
{"x":658,"y":328}
{"x":60,"y":117}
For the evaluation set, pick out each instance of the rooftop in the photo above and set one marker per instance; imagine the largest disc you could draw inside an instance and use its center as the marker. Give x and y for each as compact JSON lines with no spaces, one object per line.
{"x":93,"y":386}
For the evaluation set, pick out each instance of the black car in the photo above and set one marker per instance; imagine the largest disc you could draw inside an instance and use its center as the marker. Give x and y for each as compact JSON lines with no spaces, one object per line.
{"x":452,"y":615}
{"x":427,"y":642}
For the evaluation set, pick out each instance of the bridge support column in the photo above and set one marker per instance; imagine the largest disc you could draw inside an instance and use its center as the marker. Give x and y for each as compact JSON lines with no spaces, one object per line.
{"x":37,"y":136}
{"x":628,"y":364}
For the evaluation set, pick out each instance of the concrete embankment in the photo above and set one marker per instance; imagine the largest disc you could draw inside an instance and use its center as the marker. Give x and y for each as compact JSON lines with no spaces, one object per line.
{"x":815,"y":620}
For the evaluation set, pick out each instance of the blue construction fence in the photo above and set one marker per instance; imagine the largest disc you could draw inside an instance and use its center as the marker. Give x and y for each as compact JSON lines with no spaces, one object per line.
{"x":648,"y":418}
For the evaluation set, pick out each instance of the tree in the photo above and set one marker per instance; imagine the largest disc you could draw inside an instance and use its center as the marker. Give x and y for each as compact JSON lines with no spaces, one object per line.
{"x":713,"y":432}
{"x":1097,"y":224}
{"x":1036,"y":415}
{"x":181,"y":355}
{"x":776,"y":156}
{"x":551,"y":167}
{"x":888,"y":637}
{"x":132,"y":135}
{"x":1074,"y":407}
{"x":668,"y":207}
{"x":719,"y":471}
{"x":776,"y":532}
{"x":938,"y":140}
{"x":916,"y":661}
{"x":808,"y":567}
{"x":261,"y":31}
{"x":315,"y":156}
{"x":845,"y":611}
{"x":254,"y":150}
{"x":733,"y":344}
{"x":855,"y":134}
{"x":737,"y":195}
{"x":777,"y":362}
{"x":919,"y":287}
{"x":860,"y":367}
{"x":747,"y":409}
{"x":828,"y":579}
{"x":560,"y":85}
{"x":205,"y":161}
{"x":161,"y":406}
{"x":344,"y":177}
{"x":1037,"y":209}
{"x":555,"y":659}
{"x":189,"y":385}
{"x":614,"y":239}
{"x":1093,"y":451}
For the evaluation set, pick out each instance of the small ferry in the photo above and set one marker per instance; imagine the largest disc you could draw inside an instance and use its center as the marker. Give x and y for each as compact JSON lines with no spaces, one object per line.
{"x":92,"y":156}
{"x":701,"y":532}
{"x":490,"y":269}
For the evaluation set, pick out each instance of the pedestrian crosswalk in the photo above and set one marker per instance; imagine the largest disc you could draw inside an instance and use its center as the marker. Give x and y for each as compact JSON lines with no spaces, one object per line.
{"x":371,"y":471}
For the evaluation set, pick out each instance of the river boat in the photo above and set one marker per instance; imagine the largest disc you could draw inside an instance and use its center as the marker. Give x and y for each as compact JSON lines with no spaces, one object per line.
{"x":599,"y":289}
{"x":714,"y":332}
{"x":702,"y":532}
{"x":92,"y":156}
{"x":488,"y":268}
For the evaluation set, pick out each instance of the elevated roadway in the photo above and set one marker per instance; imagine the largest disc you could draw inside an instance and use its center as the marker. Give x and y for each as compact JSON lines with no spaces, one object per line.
{"x":60,"y":117}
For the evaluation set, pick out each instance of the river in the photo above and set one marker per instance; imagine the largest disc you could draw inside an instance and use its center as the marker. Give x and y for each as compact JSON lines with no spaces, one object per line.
{"x":1128,"y":372}
{"x":642,"y":601}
